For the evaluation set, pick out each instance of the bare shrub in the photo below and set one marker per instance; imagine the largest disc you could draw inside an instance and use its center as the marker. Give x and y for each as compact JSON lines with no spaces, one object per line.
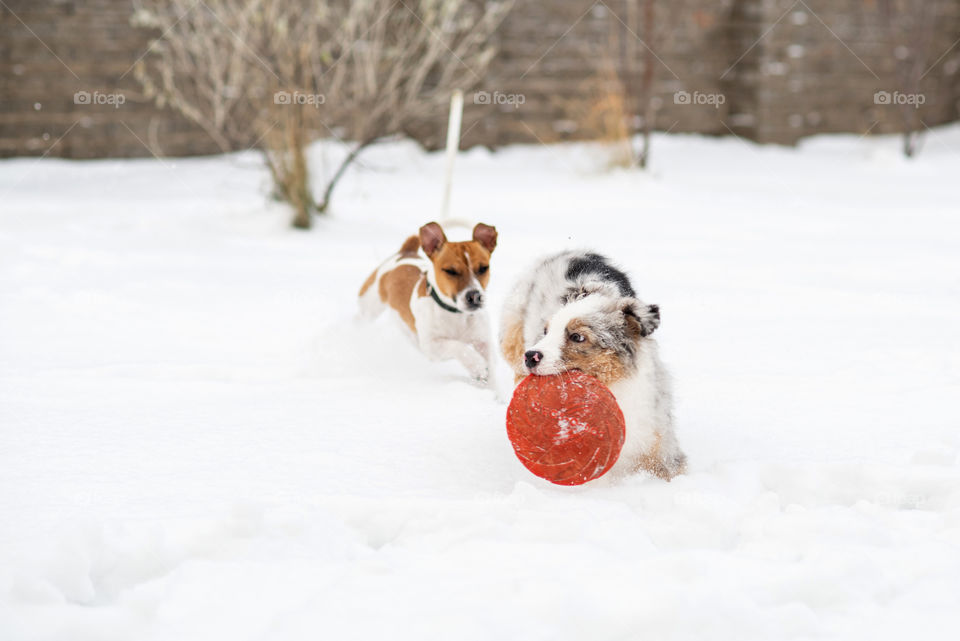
{"x":278,"y":74}
{"x":622,"y":98}
{"x":602,"y":113}
{"x":910,"y":27}
{"x":651,"y":28}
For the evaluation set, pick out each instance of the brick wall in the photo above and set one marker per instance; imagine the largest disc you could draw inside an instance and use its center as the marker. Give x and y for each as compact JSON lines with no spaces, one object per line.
{"x":784,"y":69}
{"x":51,"y":49}
{"x":823,"y":77}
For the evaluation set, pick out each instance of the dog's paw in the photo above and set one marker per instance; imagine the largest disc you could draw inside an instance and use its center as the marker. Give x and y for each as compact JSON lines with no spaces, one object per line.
{"x":480,"y":374}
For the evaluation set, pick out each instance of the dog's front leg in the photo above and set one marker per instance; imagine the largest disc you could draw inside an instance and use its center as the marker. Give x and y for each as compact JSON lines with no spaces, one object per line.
{"x":448,"y":348}
{"x":484,"y":348}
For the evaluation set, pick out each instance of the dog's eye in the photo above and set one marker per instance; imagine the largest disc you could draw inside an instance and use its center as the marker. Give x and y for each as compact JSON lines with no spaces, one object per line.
{"x":544,"y":330}
{"x":482,"y":269}
{"x":577,"y":338}
{"x":452,"y":272}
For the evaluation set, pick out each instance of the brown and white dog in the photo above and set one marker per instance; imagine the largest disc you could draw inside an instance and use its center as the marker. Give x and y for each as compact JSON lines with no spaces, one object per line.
{"x":576,"y":310}
{"x":440,"y":297}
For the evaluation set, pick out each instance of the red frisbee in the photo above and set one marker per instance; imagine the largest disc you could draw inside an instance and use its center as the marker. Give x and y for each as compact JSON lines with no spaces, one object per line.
{"x":567,"y":429}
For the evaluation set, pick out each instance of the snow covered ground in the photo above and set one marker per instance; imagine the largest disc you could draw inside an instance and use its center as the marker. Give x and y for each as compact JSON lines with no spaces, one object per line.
{"x":199,"y":442}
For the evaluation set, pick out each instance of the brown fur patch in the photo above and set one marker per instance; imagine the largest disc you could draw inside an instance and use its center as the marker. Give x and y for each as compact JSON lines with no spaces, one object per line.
{"x":367,"y":284}
{"x":454,"y":262}
{"x":652,"y":462}
{"x":512,"y":348}
{"x":410,"y":247}
{"x":486,"y":235}
{"x":590,"y":358}
{"x":396,"y":288}
{"x":453,"y":257}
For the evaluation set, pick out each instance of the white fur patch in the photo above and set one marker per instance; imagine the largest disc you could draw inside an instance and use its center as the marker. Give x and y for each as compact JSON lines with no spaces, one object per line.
{"x":551,"y":345}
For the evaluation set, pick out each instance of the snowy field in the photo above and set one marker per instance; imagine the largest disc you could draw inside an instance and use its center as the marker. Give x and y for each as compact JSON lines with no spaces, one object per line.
{"x":198,"y":441}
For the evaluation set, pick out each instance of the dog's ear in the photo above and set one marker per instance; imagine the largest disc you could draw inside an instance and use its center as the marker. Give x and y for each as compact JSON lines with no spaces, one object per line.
{"x":486,"y":236}
{"x":642,"y":318}
{"x":432,"y":238}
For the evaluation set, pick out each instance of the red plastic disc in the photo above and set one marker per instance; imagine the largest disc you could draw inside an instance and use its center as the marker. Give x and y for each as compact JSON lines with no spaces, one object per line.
{"x":567,"y":429}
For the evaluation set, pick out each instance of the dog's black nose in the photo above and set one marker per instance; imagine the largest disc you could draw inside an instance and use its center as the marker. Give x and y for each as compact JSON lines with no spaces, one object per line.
{"x":474,"y":299}
{"x":532,"y":358}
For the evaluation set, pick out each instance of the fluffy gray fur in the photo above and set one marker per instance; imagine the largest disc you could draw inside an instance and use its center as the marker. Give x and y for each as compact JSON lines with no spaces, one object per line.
{"x":550,"y":295}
